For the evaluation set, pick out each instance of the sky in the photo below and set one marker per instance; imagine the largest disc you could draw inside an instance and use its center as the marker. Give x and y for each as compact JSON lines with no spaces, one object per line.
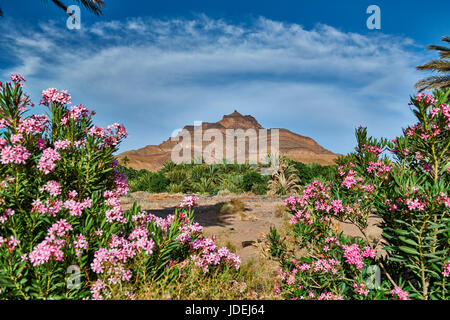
{"x":312,"y":67}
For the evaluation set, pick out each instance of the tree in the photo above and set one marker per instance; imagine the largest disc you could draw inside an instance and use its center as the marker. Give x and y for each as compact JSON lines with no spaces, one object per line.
{"x":441,"y":65}
{"x":125,"y":161}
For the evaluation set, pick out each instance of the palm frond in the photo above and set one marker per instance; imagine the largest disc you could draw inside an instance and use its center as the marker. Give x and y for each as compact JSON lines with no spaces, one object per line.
{"x":436,"y":65}
{"x":433,"y":82}
{"x":95,"y":6}
{"x":441,"y":65}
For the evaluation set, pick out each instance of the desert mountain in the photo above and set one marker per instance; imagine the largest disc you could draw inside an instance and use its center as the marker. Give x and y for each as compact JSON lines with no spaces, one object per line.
{"x":292,"y":145}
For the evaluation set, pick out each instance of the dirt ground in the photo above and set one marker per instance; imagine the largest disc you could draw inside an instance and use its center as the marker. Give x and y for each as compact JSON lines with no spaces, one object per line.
{"x":245,"y":231}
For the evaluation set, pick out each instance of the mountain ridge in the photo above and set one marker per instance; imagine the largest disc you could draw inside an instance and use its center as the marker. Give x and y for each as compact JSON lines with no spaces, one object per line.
{"x":295,"y":146}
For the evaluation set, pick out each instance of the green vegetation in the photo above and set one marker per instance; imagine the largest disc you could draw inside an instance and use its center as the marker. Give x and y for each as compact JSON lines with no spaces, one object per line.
{"x":236,"y":178}
{"x":441,"y":66}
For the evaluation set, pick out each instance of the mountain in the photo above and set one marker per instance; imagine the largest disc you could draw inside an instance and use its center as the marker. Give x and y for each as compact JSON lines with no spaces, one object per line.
{"x":292,"y":145}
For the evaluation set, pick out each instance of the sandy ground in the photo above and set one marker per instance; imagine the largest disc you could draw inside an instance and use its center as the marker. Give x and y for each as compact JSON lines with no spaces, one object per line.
{"x":244,"y":231}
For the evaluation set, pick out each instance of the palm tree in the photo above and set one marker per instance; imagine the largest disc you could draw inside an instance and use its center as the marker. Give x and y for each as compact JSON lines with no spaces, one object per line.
{"x":125,"y":161}
{"x":285,"y":180}
{"x":441,"y":65}
{"x":94,"y":6}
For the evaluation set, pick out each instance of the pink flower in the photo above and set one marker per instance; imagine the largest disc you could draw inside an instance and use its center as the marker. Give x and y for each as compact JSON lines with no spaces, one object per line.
{"x":75,"y":208}
{"x":52,"y":95}
{"x":80,"y":244}
{"x":402,"y":295}
{"x":360,"y":289}
{"x":47,"y":160}
{"x":52,"y":187}
{"x":337,"y":206}
{"x":353,"y":255}
{"x":62,"y":144}
{"x":368,"y":252}
{"x":188,"y":201}
{"x":415,"y":204}
{"x":446,"y":271}
{"x":16,"y":137}
{"x":17,"y":79}
{"x":18,"y":154}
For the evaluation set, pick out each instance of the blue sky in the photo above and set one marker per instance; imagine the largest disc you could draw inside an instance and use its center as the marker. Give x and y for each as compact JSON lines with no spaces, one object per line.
{"x":310,"y":66}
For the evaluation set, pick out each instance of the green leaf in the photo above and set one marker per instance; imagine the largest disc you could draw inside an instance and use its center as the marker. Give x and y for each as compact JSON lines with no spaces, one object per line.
{"x":408,"y":241}
{"x":408,"y":250}
{"x":402,"y":232}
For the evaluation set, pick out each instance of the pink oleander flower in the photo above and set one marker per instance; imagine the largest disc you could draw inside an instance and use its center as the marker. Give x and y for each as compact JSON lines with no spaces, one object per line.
{"x":17,"y":154}
{"x":402,"y":295}
{"x":52,"y":95}
{"x":360,"y":289}
{"x":446,"y":271}
{"x":97,"y":132}
{"x":47,"y":160}
{"x":337,"y":206}
{"x":76,"y":208}
{"x":189,"y":202}
{"x":78,"y":112}
{"x":15,"y":138}
{"x":52,"y":187}
{"x":368,"y":252}
{"x":98,"y":290}
{"x":80,"y":244}
{"x":353,"y":255}
{"x":62,"y":144}
{"x":52,"y":246}
{"x":17,"y":79}
{"x":415,"y":204}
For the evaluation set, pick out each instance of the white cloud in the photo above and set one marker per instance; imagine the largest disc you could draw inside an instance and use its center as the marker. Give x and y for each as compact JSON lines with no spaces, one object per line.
{"x":159,"y":75}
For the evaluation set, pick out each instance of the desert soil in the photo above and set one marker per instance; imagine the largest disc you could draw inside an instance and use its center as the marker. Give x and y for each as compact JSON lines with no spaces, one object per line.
{"x":245,"y":231}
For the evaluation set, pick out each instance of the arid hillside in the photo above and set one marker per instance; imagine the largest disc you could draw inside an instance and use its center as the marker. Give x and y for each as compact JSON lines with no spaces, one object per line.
{"x":292,"y":145}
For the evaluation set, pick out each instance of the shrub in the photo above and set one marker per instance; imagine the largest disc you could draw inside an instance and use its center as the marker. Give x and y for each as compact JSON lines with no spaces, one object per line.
{"x":63,"y":233}
{"x":410,"y":194}
{"x":158,"y":182}
{"x":251,"y":179}
{"x":260,"y":188}
{"x":232,"y":207}
{"x":285,"y":179}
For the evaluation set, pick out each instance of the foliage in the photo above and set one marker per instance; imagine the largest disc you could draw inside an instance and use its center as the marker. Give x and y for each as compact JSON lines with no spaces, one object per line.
{"x":441,"y":65}
{"x":409,"y":190}
{"x":310,"y":172}
{"x":63,"y":233}
{"x":285,"y":179}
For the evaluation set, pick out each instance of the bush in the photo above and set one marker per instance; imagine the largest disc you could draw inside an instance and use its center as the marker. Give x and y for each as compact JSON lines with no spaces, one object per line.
{"x":260,"y":188}
{"x":63,"y":233}
{"x":158,"y":182}
{"x":252,"y":178}
{"x":410,"y":194}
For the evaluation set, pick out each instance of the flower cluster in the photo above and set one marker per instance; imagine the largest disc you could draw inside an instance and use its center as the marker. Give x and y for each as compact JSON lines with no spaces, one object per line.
{"x":211,"y":256}
{"x":47,"y":160}
{"x":17,"y":154}
{"x":52,"y":95}
{"x":52,"y":245}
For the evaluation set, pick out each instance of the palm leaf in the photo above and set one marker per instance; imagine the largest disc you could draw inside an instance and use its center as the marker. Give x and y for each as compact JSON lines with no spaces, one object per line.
{"x":440,"y":65}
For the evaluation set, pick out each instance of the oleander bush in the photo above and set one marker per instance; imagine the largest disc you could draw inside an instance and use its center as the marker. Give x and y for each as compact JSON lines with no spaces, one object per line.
{"x":63,"y":233}
{"x":406,"y":182}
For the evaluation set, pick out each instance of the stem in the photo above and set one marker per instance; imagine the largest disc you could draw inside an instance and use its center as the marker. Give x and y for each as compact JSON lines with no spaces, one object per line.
{"x":13,"y":278}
